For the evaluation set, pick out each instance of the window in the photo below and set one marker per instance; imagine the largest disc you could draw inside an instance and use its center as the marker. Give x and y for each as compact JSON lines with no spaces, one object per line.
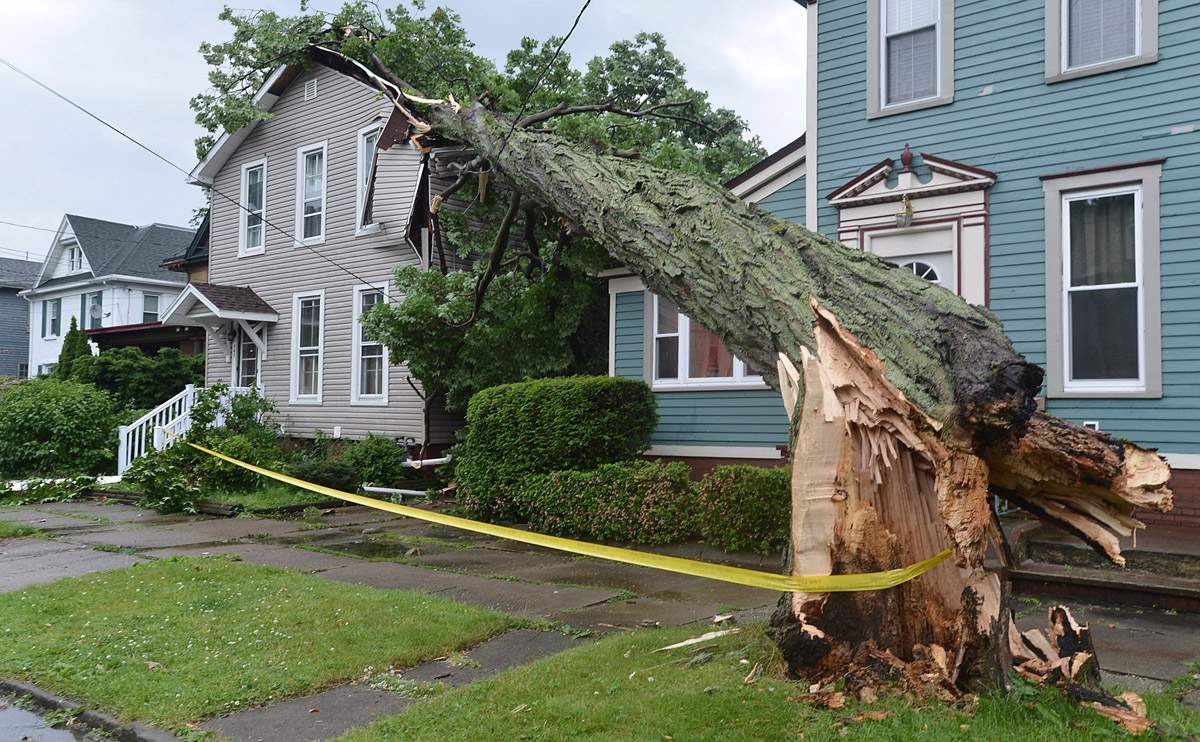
{"x":368,"y":139}
{"x":910,"y":55}
{"x":688,"y":354}
{"x":150,"y":307}
{"x":308,"y":316}
{"x":22,"y":370}
{"x":91,"y":310}
{"x":310,"y":194}
{"x":1103,"y":303}
{"x":369,"y":385}
{"x":51,"y":318}
{"x":252,"y":238}
{"x":1102,"y":288}
{"x":74,"y":258}
{"x":1087,"y":37}
{"x":247,"y":368}
{"x":922,"y":270}
{"x":45,"y":369}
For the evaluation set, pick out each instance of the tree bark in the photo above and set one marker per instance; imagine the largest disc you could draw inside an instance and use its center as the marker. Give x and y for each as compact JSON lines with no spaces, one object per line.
{"x":908,"y":404}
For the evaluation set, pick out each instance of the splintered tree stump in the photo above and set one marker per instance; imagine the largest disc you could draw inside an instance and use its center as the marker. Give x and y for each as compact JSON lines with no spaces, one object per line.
{"x":909,"y":406}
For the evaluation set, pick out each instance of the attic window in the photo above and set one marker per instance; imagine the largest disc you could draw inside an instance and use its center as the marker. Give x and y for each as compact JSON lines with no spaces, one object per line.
{"x":310,"y":90}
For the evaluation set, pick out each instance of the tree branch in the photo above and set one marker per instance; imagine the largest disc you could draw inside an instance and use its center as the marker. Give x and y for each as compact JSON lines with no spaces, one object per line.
{"x":655,"y":111}
{"x":436,"y":223}
{"x":495,"y":261}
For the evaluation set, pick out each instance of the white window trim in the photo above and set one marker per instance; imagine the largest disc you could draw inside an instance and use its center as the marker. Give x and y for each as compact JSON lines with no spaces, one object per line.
{"x":295,"y":397}
{"x":72,"y":268}
{"x":1105,"y":385}
{"x":1058,"y":67}
{"x":739,"y":380}
{"x":361,"y":189}
{"x":356,"y":396}
{"x":323,"y":146}
{"x":158,"y":305}
{"x":235,"y":371}
{"x":243,"y":215}
{"x":1146,"y":177}
{"x":877,"y":59}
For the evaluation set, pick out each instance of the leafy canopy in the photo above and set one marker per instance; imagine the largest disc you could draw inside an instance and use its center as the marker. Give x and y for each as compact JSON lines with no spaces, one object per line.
{"x":541,"y":315}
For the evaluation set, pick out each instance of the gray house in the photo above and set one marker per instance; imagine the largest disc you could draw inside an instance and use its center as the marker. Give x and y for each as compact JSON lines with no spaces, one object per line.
{"x":15,"y":276}
{"x":312,"y":211}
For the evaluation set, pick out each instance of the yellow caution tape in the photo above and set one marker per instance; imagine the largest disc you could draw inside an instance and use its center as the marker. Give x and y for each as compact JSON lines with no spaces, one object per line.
{"x":736,"y":575}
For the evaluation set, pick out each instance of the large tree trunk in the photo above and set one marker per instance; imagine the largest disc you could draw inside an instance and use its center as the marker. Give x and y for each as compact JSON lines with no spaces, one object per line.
{"x":907,"y":403}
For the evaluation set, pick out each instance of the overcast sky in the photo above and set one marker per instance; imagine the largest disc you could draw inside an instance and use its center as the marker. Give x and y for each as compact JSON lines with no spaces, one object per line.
{"x":134,"y":63}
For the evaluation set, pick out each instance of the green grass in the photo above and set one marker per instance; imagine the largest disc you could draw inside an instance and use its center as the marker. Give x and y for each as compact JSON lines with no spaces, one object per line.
{"x":271,"y":497}
{"x":616,"y":689}
{"x":183,"y":639}
{"x":16,"y":530}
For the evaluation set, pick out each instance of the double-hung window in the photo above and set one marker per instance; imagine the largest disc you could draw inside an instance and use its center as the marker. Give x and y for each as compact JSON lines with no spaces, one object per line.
{"x":1102,"y":289}
{"x":150,"y":307}
{"x":910,"y":50}
{"x":51,"y":318}
{"x":1103,"y":302}
{"x":308,"y":318}
{"x":370,"y":381}
{"x":74,"y":258}
{"x":247,"y":368}
{"x":252,"y":238}
{"x":91,"y":310}
{"x":910,"y":55}
{"x":687,"y":354}
{"x":310,"y":193}
{"x":368,"y":140}
{"x":1085,"y":37}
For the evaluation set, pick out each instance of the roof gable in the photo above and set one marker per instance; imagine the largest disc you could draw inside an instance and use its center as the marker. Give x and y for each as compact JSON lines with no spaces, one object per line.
{"x":945,"y":176}
{"x":112,"y":248}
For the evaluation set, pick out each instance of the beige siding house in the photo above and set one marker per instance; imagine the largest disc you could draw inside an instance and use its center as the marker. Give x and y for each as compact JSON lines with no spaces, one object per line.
{"x":299,"y":247}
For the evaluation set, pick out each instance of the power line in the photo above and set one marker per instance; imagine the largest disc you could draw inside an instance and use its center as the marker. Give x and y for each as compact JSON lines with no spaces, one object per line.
{"x":233,"y":201}
{"x":28,"y":226}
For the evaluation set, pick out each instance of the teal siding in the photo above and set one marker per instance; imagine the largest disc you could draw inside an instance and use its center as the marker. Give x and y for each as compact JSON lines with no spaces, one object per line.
{"x":787,"y":202}
{"x":754,"y":417}
{"x":1006,"y":119}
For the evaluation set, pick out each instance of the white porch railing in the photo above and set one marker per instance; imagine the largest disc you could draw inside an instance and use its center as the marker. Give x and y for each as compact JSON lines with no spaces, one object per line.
{"x":159,"y":427}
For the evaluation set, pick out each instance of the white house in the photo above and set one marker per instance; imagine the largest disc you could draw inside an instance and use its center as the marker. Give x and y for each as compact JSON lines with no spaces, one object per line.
{"x":105,"y":275}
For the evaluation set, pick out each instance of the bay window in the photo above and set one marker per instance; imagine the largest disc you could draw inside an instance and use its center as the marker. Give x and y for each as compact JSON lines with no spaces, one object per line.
{"x":308,"y":318}
{"x":252,"y":237}
{"x":687,"y":354}
{"x":369,"y":383}
{"x":310,"y":194}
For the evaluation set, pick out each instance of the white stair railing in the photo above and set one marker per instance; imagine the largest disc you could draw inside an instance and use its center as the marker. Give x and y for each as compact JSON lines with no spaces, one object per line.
{"x":159,"y":427}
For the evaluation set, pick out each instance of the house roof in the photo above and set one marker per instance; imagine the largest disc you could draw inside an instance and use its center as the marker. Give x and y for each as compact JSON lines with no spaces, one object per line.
{"x":18,"y":274}
{"x":115,"y":248}
{"x":196,"y":252}
{"x":792,"y":147}
{"x":233,"y":298}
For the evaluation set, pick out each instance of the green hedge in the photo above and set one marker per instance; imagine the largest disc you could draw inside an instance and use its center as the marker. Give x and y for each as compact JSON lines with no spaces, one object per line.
{"x":644,"y":502}
{"x":134,"y":379}
{"x":378,"y":460}
{"x":745,"y":508}
{"x":54,"y":427}
{"x":535,"y":427}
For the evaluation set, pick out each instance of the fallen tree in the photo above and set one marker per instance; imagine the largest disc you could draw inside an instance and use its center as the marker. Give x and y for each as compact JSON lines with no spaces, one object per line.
{"x":909,"y":406}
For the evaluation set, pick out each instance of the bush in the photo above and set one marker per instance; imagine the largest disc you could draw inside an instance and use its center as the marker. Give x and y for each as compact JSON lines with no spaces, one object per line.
{"x":250,"y":447}
{"x":536,"y":427}
{"x":377,"y":460}
{"x":55,"y":427}
{"x":169,"y":479}
{"x":137,"y":380}
{"x":330,"y":473}
{"x":644,"y":502}
{"x":745,"y":508}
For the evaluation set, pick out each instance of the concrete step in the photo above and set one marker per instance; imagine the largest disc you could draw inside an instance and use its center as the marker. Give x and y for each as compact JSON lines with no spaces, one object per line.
{"x":1105,"y":585}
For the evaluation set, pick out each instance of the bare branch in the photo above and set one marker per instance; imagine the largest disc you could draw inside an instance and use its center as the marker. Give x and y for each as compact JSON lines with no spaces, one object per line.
{"x":495,"y":261}
{"x":658,"y":110}
{"x":471,"y":168}
{"x":436,"y":223}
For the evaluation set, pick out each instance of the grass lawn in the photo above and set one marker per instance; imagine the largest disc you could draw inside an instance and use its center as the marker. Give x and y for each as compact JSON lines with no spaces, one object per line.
{"x":183,"y":639}
{"x":271,"y":497}
{"x":15,"y":530}
{"x":616,"y":689}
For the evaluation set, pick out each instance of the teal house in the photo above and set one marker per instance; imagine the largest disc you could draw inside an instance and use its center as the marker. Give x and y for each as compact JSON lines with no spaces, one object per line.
{"x":1033,"y":156}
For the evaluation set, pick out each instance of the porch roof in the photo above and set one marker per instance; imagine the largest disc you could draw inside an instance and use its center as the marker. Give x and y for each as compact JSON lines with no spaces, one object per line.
{"x":201,"y":304}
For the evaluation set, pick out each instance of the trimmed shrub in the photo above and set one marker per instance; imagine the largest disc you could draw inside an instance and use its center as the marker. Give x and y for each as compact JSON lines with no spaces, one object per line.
{"x":536,"y":427}
{"x":257,"y":449}
{"x":329,"y":472}
{"x":170,"y":479}
{"x":745,"y":508}
{"x":377,"y":460}
{"x":55,"y":427}
{"x":643,"y":502}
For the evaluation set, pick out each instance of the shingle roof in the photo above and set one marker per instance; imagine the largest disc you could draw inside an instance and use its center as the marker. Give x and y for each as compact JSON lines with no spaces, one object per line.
{"x":123,"y":249}
{"x":197,"y":249}
{"x":234,"y":298}
{"x":18,"y":274}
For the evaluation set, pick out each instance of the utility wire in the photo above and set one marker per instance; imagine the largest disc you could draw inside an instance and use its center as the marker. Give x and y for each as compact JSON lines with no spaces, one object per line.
{"x":231,"y":200}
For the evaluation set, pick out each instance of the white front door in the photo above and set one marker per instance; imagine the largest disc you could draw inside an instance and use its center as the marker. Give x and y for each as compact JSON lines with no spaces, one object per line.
{"x":928,"y":252}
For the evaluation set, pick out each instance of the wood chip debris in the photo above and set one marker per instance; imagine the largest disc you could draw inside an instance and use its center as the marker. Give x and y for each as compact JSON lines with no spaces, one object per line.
{"x":698,"y":640}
